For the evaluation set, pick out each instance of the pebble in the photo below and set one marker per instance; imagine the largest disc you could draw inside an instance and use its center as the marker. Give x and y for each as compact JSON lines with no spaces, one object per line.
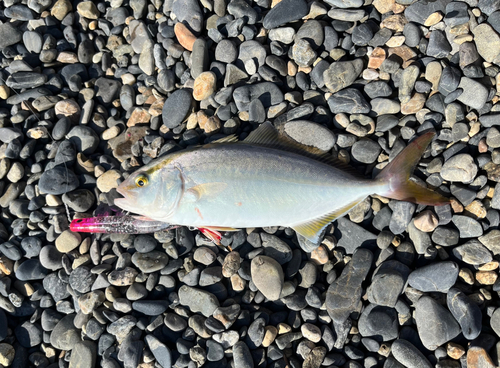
{"x":408,"y":355}
{"x":58,"y":180}
{"x":439,"y":276}
{"x":466,"y":312}
{"x":160,"y":351}
{"x":198,"y":300}
{"x":7,"y":354}
{"x":68,"y":241}
{"x":268,"y":277}
{"x":284,"y":12}
{"x":65,"y":335}
{"x":345,"y":292}
{"x":459,"y":168}
{"x":378,"y":322}
{"x":176,"y":108}
{"x":436,"y":325}
{"x":342,"y":74}
{"x":83,"y":355}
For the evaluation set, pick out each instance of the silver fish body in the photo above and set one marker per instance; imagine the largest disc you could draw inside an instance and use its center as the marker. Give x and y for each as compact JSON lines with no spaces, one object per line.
{"x":252,"y":186}
{"x":263,"y":182}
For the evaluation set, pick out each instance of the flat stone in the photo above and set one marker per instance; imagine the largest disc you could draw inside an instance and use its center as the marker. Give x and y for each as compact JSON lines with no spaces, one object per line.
{"x":285,"y":11}
{"x":468,"y":227}
{"x":435,"y":323}
{"x":150,"y":262}
{"x":349,"y":101}
{"x":176,"y":108}
{"x":83,"y":355}
{"x":198,"y":300}
{"x":350,"y":236}
{"x":241,"y":353}
{"x":58,"y":180}
{"x":378,"y":322}
{"x":65,"y":335}
{"x":9,"y":35}
{"x":344,"y":293}
{"x":473,"y":253}
{"x":466,"y":312}
{"x":408,"y":355}
{"x":342,"y":74}
{"x":310,"y":134}
{"x":160,"y":351}
{"x":491,"y":240}
{"x":439,"y":276}
{"x":487,"y":42}
{"x":268,"y":93}
{"x":68,"y":241}
{"x":474,"y":93}
{"x":28,"y":334}
{"x":189,"y":11}
{"x":150,"y":307}
{"x":31,"y":269}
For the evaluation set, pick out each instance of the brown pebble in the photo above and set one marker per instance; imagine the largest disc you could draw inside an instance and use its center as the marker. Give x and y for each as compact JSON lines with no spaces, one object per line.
{"x":466,"y":275}
{"x":426,"y":221}
{"x":376,"y":58}
{"x":185,"y":37}
{"x":490,"y":266}
{"x":456,"y":206}
{"x":269,"y":335}
{"x":477,"y":357}
{"x":486,"y":277}
{"x":204,"y":86}
{"x":320,"y":255}
{"x":476,"y":208}
{"x":482,"y":146}
{"x":210,"y":124}
{"x":139,"y":116}
{"x":454,"y":350}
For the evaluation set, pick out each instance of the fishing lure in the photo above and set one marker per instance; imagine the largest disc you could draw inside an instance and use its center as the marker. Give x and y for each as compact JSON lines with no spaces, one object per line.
{"x":118,"y":225}
{"x":130,"y":225}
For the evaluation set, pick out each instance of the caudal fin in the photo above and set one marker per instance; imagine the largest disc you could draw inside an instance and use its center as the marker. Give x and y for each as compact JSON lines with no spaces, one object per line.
{"x":397,"y":174}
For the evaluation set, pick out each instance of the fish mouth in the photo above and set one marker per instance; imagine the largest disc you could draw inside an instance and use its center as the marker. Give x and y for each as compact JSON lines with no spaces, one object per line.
{"x":124,"y":203}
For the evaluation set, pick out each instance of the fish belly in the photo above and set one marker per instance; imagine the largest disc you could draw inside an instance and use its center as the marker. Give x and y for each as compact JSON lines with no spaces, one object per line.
{"x":262,"y":187}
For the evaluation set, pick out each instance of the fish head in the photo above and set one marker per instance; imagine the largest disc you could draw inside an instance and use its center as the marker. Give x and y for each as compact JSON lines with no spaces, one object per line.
{"x":153,"y":191}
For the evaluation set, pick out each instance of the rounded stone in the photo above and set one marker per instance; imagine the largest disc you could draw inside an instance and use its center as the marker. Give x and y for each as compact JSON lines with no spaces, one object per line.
{"x":268,"y":277}
{"x":204,"y":85}
{"x":461,"y":168}
{"x":176,"y":108}
{"x":67,"y":241}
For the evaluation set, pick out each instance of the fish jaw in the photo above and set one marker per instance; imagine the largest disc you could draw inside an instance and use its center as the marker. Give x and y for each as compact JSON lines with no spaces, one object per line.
{"x":125,"y":202}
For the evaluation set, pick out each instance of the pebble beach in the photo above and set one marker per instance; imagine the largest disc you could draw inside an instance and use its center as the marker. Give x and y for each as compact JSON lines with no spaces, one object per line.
{"x":90,"y":91}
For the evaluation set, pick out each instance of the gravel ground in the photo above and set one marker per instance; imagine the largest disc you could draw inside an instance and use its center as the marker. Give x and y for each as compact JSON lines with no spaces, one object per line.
{"x":93,"y":90}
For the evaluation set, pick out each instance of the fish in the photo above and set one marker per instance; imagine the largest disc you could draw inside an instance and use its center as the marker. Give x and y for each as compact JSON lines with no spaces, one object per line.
{"x":265,"y":180}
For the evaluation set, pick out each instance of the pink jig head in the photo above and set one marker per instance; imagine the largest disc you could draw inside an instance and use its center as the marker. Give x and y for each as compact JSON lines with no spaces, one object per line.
{"x":118,"y":225}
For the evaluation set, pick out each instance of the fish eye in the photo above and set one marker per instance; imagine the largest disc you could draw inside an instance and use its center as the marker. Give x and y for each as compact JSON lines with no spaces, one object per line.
{"x":141,"y":181}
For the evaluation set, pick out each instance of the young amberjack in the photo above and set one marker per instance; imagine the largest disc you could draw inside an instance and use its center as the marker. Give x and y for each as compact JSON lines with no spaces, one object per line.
{"x":265,"y":180}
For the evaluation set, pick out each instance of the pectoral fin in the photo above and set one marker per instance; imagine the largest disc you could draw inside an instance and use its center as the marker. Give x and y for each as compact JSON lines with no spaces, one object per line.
{"x":313,"y":229}
{"x":205,"y":191}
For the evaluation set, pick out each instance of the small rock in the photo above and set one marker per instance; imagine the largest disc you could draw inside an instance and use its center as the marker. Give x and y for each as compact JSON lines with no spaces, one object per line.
{"x":268,"y":277}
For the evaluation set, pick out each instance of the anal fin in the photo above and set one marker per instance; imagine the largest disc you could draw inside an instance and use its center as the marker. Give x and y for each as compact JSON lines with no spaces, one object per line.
{"x":311,"y":230}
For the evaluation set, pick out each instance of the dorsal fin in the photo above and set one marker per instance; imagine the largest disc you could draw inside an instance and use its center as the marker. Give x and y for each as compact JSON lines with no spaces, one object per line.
{"x":229,"y":139}
{"x":266,"y":135}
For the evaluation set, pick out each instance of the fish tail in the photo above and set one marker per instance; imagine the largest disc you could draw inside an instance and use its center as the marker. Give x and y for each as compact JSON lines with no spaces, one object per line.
{"x":397,"y":175}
